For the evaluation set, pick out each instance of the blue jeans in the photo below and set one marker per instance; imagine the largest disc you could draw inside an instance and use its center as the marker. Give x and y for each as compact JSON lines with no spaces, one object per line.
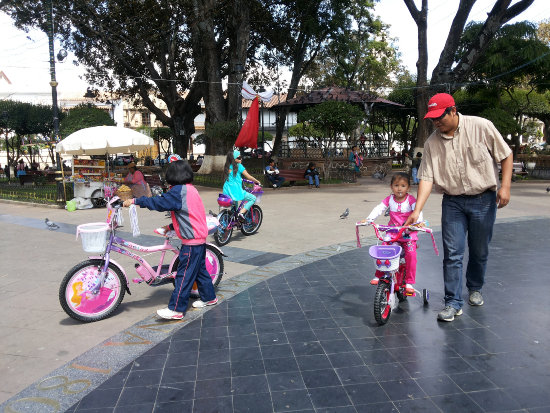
{"x":276,"y":180}
{"x":473,"y":216}
{"x":414,"y":178}
{"x":310,"y":180}
{"x":191,"y":268}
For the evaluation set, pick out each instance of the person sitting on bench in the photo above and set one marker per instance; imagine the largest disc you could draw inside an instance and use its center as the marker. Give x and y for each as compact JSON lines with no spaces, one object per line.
{"x":272,"y":173}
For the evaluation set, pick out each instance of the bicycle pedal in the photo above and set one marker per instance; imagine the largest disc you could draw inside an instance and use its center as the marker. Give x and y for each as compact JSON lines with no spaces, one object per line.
{"x":137,"y":280}
{"x":410,"y":293}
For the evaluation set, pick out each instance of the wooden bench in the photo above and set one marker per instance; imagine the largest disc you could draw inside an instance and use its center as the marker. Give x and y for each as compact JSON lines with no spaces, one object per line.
{"x":518,"y":170}
{"x":290,"y":175}
{"x":156,"y":180}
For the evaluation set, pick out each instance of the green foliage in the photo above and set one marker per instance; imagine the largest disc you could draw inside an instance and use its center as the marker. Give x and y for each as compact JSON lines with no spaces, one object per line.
{"x":503,"y":121}
{"x":360,"y":54}
{"x":333,"y":118}
{"x":225,"y":131}
{"x":304,"y":131}
{"x":26,"y":118}
{"x":84,"y":116}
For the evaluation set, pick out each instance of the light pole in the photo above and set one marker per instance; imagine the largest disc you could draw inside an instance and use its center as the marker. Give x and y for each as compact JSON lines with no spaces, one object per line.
{"x":262,"y":89}
{"x":53,"y":83}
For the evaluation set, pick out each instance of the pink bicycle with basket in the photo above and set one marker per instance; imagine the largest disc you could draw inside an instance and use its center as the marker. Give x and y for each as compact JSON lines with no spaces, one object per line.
{"x":93,"y":289}
{"x":389,"y":258}
{"x":229,"y":209}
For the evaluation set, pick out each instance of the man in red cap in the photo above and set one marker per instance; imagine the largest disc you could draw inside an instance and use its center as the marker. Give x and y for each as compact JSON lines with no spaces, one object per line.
{"x":460,"y":159}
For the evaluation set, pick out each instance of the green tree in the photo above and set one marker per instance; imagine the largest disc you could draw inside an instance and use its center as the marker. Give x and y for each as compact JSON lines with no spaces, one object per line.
{"x":333,"y":119}
{"x":359,"y":55}
{"x":26,"y":128}
{"x":151,"y":51}
{"x":84,"y":116}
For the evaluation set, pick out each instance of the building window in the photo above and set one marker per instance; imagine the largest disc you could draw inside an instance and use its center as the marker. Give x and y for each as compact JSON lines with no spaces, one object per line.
{"x":146,"y":118}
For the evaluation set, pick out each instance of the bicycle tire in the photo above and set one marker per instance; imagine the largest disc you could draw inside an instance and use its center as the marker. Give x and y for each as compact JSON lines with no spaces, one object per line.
{"x":214,"y":266}
{"x":254,"y":219}
{"x":382,"y":308}
{"x":91,"y":308}
{"x":223,"y":235}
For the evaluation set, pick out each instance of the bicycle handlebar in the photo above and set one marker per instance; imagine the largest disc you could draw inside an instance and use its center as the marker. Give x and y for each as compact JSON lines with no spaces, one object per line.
{"x":399,"y":230}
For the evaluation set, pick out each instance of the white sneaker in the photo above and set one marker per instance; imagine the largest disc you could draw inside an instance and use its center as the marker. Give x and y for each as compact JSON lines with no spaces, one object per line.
{"x":201,"y":304}
{"x":169,"y":314}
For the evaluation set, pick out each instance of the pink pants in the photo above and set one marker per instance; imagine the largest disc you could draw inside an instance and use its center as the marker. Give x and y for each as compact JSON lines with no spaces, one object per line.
{"x":409,"y":246}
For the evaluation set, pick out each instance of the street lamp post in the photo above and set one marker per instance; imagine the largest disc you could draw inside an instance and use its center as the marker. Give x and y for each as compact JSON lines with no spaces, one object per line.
{"x":262,"y":89}
{"x":53,"y":83}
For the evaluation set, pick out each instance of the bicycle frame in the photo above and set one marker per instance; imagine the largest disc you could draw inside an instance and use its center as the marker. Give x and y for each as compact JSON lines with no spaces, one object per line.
{"x":118,"y":245}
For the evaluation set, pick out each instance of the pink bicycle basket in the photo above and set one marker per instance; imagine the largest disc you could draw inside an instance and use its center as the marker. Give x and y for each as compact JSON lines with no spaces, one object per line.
{"x":386,"y":257}
{"x":224,"y":200}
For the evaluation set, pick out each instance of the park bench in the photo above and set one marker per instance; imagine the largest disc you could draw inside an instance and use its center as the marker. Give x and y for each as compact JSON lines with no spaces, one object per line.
{"x":156,"y":180}
{"x":518,"y":170}
{"x":290,"y":175}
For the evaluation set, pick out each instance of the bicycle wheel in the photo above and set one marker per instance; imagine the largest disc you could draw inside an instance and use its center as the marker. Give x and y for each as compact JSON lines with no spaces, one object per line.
{"x":253,"y":221}
{"x":81,"y":304}
{"x":214,"y":266}
{"x":382,"y":308}
{"x":225,"y":230}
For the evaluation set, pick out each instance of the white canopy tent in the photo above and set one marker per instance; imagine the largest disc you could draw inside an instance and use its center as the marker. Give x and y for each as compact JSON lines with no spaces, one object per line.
{"x":104,"y":140}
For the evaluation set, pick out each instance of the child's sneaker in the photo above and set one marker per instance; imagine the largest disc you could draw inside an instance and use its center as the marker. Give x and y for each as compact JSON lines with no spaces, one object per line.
{"x":409,"y":290}
{"x":374,"y":281}
{"x":240,"y":217}
{"x":169,"y":314}
{"x":202,"y":304}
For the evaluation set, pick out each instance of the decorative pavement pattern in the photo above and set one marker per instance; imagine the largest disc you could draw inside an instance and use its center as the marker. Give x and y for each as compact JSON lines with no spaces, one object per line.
{"x":298,"y":335}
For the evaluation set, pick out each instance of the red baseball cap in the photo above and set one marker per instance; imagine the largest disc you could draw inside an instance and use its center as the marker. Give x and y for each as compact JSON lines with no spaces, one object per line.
{"x":437,"y":105}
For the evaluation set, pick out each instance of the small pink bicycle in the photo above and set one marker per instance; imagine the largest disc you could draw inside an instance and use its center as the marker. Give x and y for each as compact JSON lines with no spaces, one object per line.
{"x":93,"y":289}
{"x":389,"y":258}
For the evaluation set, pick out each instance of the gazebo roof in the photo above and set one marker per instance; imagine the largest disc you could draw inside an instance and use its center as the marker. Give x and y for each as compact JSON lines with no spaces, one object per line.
{"x":334,"y":93}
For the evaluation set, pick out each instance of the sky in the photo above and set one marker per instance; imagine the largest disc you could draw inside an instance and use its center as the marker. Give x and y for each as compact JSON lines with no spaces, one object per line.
{"x":24,"y":57}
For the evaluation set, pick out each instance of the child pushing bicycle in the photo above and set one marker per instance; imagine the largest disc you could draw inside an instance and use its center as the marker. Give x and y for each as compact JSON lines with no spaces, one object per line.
{"x":189,"y":222}
{"x":400,"y":204}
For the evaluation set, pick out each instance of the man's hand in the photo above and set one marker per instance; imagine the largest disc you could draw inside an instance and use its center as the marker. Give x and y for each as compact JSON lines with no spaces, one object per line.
{"x":128,"y":202}
{"x":503,"y":197}
{"x":412,"y":218}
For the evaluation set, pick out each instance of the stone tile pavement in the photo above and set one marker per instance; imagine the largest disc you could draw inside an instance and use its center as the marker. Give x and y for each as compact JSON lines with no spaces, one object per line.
{"x":295,"y":330}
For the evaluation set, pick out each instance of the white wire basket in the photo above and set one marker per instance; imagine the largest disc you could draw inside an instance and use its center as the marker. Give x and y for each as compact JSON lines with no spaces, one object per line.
{"x":93,"y":236}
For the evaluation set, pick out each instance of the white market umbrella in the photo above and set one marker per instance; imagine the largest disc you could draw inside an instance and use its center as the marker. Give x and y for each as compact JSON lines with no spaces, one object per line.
{"x":102,"y":140}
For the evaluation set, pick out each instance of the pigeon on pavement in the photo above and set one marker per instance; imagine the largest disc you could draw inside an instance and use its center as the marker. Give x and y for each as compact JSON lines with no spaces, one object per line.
{"x":52,"y":226}
{"x":345,"y":214}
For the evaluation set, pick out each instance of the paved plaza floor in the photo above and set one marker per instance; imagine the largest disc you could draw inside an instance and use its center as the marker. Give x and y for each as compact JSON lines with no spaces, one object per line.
{"x":294,"y":330}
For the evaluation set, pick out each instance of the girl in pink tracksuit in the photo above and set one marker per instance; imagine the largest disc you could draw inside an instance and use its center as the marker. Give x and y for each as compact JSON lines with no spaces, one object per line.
{"x":400,"y":204}
{"x":189,"y":222}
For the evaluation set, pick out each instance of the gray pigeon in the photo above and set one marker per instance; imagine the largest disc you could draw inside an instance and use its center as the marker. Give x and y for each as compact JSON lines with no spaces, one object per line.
{"x":52,"y":226}
{"x":345,"y":214}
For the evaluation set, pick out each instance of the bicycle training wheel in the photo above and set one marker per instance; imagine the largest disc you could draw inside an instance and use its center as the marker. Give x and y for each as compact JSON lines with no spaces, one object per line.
{"x":214,"y":266}
{"x":425,"y":296}
{"x":253,"y":221}
{"x":382,"y":308}
{"x":80,"y":303}
{"x":225,"y":230}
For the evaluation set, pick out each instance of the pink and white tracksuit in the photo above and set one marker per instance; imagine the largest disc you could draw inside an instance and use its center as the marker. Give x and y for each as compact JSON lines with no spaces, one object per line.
{"x":399,"y":212}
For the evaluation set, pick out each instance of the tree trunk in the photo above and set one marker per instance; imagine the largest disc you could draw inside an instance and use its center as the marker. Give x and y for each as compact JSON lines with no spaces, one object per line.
{"x":212,"y":163}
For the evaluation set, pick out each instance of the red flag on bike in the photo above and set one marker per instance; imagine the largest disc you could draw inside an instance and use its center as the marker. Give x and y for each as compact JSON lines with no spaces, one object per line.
{"x":248,"y":136}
